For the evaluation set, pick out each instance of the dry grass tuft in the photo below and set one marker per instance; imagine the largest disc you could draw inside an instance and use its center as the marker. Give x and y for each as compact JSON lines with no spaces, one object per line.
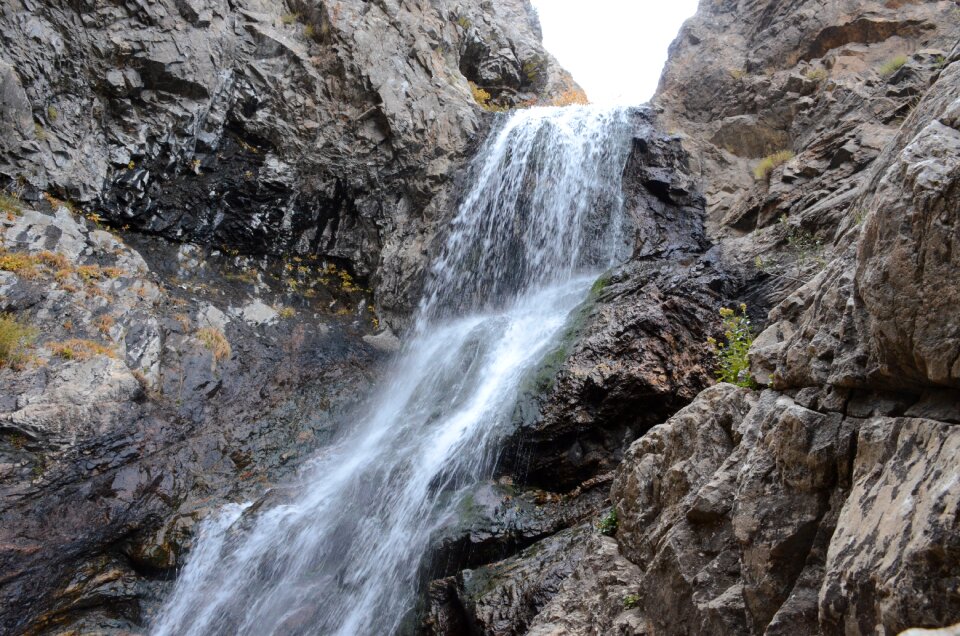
{"x":768,"y":163}
{"x":80,"y":349}
{"x":215,"y":342}
{"x":15,"y":338}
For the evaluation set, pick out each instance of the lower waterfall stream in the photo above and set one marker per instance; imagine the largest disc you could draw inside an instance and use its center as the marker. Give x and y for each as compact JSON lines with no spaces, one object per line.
{"x":340,"y":552}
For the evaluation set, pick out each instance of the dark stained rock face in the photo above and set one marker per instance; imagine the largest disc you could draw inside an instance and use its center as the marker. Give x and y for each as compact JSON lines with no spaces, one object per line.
{"x":330,"y":129}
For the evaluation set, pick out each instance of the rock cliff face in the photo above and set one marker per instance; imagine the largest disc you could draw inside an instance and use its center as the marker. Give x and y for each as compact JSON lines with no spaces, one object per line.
{"x":826,"y":500}
{"x":221,"y":204}
{"x":315,"y":128}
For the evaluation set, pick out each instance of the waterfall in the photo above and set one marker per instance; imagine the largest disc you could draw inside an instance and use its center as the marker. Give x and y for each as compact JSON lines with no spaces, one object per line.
{"x":341,"y":551}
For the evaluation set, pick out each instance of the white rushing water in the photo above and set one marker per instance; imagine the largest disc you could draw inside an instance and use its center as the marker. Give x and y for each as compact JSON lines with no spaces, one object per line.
{"x":341,"y":552}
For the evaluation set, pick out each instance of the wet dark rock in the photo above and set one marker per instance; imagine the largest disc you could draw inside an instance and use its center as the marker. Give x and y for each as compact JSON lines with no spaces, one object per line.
{"x":110,"y":461}
{"x":637,"y":351}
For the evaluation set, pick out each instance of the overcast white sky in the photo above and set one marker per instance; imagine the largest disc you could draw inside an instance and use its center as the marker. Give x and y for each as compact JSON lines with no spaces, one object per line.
{"x":615,"y":49}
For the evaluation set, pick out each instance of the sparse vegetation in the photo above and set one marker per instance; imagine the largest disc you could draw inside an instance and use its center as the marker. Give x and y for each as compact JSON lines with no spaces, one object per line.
{"x":31,"y":266}
{"x":10,"y":204}
{"x":816,"y":74}
{"x":892,"y":65}
{"x":939,"y":62}
{"x":804,"y":244}
{"x":464,"y":22}
{"x":287,"y":312}
{"x":533,"y":69}
{"x":738,"y":73}
{"x":15,"y":339}
{"x":770,"y":162}
{"x":733,"y":365}
{"x":104,"y":323}
{"x":215,"y":342}
{"x":607,"y":525}
{"x":22,"y":265}
{"x":52,"y":113}
{"x":483,"y":98}
{"x":289,"y":18}
{"x":80,"y":349}
{"x":631,"y":601}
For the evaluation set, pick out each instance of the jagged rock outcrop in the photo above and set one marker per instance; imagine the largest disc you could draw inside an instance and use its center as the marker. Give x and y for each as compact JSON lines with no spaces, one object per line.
{"x":327,"y":128}
{"x":827,"y":502}
{"x":305,"y":155}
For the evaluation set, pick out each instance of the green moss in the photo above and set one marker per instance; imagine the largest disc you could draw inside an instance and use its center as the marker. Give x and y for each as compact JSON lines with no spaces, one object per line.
{"x":600,"y":284}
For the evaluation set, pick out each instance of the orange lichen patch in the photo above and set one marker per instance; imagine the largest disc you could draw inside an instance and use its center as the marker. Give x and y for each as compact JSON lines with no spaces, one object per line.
{"x":573,"y":95}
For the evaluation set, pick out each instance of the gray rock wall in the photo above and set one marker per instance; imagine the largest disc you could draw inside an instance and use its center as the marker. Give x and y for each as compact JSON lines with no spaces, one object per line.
{"x":321,"y":128}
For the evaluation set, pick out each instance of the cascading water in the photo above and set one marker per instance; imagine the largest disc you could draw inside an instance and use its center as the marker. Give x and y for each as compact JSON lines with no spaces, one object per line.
{"x":341,"y":553}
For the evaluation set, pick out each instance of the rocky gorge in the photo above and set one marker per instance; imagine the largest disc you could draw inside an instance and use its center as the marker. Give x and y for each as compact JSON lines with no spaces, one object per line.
{"x":218,"y":215}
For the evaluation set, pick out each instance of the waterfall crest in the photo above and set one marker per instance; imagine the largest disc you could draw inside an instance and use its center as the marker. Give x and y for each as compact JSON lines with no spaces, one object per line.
{"x":341,"y":553}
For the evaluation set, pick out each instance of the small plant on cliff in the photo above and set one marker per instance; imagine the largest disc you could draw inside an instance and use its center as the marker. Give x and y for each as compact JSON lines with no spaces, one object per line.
{"x":15,"y":338}
{"x":483,"y":98}
{"x":804,"y":244}
{"x":733,"y":365}
{"x":215,"y":342}
{"x":631,"y":601}
{"x":892,"y":65}
{"x":767,"y":164}
{"x":607,"y":524}
{"x":816,"y":74}
{"x":10,"y":204}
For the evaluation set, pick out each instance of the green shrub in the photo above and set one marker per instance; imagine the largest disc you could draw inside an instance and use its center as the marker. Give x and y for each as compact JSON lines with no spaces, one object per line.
{"x":733,"y":365}
{"x":607,"y":524}
{"x":892,"y":65}
{"x":15,"y":339}
{"x":768,"y":163}
{"x":631,"y":601}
